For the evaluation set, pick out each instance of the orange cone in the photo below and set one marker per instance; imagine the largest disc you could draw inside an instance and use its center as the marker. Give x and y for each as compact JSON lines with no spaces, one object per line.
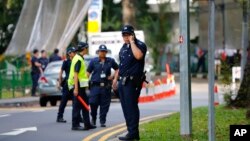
{"x":216,"y":96}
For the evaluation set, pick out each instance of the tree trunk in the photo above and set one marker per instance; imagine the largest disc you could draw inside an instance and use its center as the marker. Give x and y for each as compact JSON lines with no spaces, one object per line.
{"x":243,"y":97}
{"x":128,"y":11}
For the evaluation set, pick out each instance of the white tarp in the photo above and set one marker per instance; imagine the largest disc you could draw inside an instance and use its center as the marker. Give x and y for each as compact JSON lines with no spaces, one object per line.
{"x":47,"y":24}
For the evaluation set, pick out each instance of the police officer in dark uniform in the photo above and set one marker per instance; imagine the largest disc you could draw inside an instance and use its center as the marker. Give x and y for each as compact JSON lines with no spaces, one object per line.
{"x":43,"y":59}
{"x":100,"y":84}
{"x":55,"y":56}
{"x":66,"y":95}
{"x":78,"y":82}
{"x":131,"y":77}
{"x":35,"y":71}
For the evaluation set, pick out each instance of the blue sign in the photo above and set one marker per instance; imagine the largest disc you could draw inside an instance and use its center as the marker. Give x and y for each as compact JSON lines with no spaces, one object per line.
{"x":93,"y":15}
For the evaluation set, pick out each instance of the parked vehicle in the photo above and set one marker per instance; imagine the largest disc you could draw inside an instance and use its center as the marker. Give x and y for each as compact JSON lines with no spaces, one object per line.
{"x":48,"y":83}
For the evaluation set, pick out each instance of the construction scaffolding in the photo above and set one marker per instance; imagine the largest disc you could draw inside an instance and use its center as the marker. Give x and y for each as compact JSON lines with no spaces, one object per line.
{"x":47,"y":24}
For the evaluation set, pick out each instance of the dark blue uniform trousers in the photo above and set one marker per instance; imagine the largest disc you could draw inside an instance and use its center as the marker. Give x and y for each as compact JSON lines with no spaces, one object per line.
{"x":35,"y":78}
{"x":129,"y":95}
{"x":100,"y":96}
{"x":66,"y":95}
{"x":78,"y":107}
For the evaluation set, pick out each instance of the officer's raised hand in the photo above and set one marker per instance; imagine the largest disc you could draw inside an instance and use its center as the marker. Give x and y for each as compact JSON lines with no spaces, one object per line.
{"x":136,"y":51}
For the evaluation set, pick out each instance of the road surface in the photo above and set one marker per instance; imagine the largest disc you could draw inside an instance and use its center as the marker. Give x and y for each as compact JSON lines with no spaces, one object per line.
{"x":39,"y":124}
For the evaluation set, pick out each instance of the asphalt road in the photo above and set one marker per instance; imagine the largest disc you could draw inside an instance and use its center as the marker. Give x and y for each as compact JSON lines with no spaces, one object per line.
{"x":39,"y":124}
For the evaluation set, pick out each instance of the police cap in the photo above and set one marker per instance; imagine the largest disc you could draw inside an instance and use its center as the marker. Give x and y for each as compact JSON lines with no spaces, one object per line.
{"x":127,"y":29}
{"x":71,"y":49}
{"x":81,"y":46}
{"x":102,"y":48}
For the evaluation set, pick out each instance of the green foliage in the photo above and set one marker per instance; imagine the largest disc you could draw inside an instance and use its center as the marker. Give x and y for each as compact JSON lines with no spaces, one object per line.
{"x":9,"y":13}
{"x":226,"y":79}
{"x":157,"y":28}
{"x":111,"y":16}
{"x":168,"y":129}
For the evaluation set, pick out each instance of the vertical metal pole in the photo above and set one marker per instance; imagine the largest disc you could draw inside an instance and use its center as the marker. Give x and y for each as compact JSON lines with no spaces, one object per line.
{"x":223,"y":24}
{"x":244,"y":43}
{"x":211,"y":30}
{"x":185,"y":87}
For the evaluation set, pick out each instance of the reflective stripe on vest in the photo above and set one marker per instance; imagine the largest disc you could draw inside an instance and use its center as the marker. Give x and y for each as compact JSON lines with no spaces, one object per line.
{"x":82,"y":75}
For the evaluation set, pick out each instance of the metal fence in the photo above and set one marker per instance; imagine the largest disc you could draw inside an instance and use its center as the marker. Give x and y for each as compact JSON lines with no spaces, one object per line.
{"x":14,"y":83}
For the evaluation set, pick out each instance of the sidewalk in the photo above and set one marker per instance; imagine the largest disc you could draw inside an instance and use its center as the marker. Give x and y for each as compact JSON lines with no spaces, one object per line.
{"x":17,"y":102}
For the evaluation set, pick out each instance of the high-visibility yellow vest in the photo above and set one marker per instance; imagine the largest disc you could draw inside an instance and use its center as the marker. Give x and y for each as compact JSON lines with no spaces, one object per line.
{"x":82,"y":75}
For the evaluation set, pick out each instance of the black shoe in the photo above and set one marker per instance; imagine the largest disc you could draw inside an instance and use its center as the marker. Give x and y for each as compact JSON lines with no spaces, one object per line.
{"x":103,"y":125}
{"x":89,"y":127}
{"x":78,"y":128}
{"x":81,"y":120}
{"x":93,"y":122}
{"x":61,"y":120}
{"x":129,"y":138}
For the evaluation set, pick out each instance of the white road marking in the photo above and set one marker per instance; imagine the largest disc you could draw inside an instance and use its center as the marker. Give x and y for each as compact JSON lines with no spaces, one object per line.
{"x":38,"y":110}
{"x":6,"y":115}
{"x":19,"y":131}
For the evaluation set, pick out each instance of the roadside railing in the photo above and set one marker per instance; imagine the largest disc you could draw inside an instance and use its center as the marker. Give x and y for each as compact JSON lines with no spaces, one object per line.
{"x":14,"y":83}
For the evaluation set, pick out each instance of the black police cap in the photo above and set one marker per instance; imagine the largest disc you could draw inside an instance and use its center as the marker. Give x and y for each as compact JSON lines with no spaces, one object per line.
{"x":71,"y":49}
{"x":128,"y":29}
{"x":102,"y":48}
{"x":82,"y":45}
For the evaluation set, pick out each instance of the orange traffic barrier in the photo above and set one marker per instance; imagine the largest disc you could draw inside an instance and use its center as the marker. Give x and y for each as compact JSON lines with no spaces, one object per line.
{"x":216,"y":96}
{"x":143,"y":95}
{"x":168,"y":69}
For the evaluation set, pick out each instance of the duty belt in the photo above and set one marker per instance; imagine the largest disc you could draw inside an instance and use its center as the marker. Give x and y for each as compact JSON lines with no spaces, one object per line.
{"x":99,"y":84}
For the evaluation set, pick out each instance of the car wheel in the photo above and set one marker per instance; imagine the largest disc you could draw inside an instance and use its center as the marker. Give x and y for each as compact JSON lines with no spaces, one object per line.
{"x":53,"y":102}
{"x":43,"y":101}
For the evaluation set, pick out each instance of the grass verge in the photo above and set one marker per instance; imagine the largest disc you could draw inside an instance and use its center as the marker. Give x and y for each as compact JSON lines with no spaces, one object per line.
{"x":168,"y":129}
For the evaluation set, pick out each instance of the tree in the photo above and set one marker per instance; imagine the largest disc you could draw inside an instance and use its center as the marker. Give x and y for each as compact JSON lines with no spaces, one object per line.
{"x":9,"y":13}
{"x":243,"y":96}
{"x":111,"y":16}
{"x":128,"y":11}
{"x":157,"y":29}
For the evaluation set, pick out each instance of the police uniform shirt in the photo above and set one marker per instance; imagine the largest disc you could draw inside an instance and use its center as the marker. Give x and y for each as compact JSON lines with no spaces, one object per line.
{"x":54,"y":57}
{"x":34,"y":68}
{"x":66,"y":67}
{"x":129,"y":65}
{"x":44,"y":62}
{"x":96,"y":67}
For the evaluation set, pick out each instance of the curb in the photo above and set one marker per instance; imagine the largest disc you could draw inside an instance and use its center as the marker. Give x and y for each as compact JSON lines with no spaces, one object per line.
{"x":19,"y":102}
{"x":115,"y":137}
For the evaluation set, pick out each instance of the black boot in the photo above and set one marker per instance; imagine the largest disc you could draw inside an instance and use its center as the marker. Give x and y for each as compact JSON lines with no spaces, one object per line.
{"x":77,"y":128}
{"x":93,"y":121}
{"x":89,"y":126}
{"x":61,"y":120}
{"x":129,"y":138}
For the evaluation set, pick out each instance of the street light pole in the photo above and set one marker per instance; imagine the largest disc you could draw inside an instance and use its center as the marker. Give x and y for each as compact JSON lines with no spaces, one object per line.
{"x":185,"y":86}
{"x":211,"y":30}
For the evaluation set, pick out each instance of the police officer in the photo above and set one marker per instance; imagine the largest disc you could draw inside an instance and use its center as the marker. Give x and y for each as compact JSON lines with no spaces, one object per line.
{"x":35,"y":71}
{"x":55,"y":56}
{"x":43,"y":59}
{"x":132,"y":60}
{"x":100,"y":84}
{"x":78,"y":81}
{"x":66,"y":95}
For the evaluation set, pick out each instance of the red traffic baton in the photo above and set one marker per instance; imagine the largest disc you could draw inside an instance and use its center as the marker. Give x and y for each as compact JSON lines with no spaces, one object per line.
{"x":85,"y":105}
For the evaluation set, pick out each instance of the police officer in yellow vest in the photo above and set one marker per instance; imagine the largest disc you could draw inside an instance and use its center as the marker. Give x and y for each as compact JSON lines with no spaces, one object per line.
{"x":77,"y":83}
